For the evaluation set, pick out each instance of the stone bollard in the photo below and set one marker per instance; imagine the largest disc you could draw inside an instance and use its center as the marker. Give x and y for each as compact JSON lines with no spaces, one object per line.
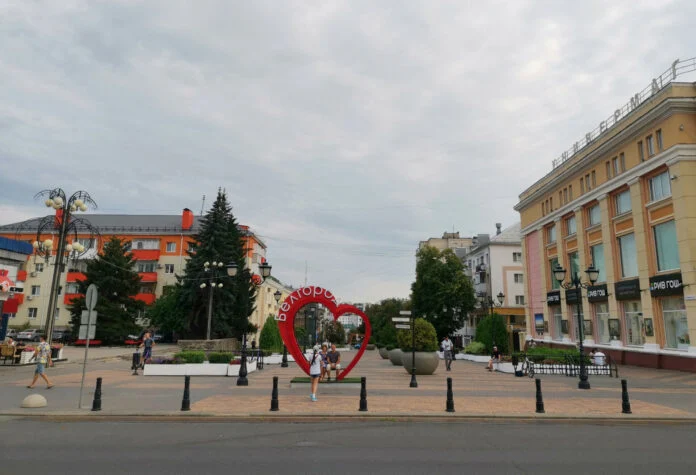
{"x":136,"y":363}
{"x":186,"y":401}
{"x":450,"y":396}
{"x":539,"y":398}
{"x":625,"y":403}
{"x":363,"y":394}
{"x":274,"y":394}
{"x":96,"y":404}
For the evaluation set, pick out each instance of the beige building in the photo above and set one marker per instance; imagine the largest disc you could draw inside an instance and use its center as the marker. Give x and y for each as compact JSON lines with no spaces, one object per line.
{"x":624,"y":200}
{"x":448,"y":241}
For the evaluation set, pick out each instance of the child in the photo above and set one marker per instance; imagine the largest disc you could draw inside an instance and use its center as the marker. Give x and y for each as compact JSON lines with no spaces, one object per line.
{"x":314,"y":373}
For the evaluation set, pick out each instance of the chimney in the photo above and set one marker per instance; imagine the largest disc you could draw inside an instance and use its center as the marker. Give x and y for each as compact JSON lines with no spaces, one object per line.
{"x":498,"y":226}
{"x":187,"y":220}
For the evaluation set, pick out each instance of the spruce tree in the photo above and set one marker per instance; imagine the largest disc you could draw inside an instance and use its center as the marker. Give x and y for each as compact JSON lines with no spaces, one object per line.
{"x":117,"y":284}
{"x":218,"y":240}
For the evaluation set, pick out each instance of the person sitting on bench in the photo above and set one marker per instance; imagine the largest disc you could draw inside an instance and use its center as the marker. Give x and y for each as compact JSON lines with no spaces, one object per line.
{"x":334,"y":359}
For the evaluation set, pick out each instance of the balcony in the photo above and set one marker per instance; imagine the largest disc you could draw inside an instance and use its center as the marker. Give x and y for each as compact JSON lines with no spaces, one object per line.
{"x":75,"y":277}
{"x":146,"y":254}
{"x":68,"y":298}
{"x":148,"y":299}
{"x":21,"y":276}
{"x":148,"y":276}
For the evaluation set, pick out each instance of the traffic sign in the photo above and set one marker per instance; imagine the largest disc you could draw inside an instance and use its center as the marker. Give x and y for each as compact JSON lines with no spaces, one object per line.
{"x":85,"y":318}
{"x":403,"y":327}
{"x":83,"y":332}
{"x":91,"y":297}
{"x":405,"y":312}
{"x":401,"y":319}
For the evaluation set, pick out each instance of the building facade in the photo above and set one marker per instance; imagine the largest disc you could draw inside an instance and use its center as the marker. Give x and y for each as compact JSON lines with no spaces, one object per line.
{"x":448,"y":241}
{"x":624,"y":202}
{"x":13,"y":255}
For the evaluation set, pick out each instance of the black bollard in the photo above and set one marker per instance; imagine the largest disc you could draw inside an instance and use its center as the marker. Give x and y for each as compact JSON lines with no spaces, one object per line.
{"x":363,"y":394}
{"x":186,"y":401}
{"x":136,"y":363}
{"x":96,"y":404}
{"x":274,"y":394}
{"x":450,"y":396}
{"x":284,"y":362}
{"x":625,"y":403}
{"x":539,"y":398}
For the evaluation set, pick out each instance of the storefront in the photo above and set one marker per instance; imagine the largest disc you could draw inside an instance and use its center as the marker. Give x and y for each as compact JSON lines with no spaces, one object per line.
{"x":575,"y":313}
{"x":598,"y":296}
{"x":627,"y":294}
{"x":553,"y":299}
{"x":668,"y":292}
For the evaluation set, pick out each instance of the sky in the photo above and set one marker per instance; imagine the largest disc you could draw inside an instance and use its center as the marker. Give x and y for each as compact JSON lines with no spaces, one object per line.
{"x":344,"y":132}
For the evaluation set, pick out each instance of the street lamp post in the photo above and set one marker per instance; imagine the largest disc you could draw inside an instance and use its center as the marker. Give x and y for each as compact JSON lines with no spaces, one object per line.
{"x":211,"y":273}
{"x":65,"y":208}
{"x":284,"y":363}
{"x":574,"y":282}
{"x":242,"y":380}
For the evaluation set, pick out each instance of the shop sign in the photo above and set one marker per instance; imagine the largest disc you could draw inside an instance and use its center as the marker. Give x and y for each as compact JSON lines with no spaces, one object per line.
{"x":572,"y":296}
{"x":670,"y":284}
{"x":553,"y":298}
{"x":597,"y":293}
{"x":627,"y":290}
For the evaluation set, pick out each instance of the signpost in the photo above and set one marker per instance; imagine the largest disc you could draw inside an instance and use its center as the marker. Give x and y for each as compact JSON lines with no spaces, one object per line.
{"x":406,"y":322}
{"x":88,"y":330}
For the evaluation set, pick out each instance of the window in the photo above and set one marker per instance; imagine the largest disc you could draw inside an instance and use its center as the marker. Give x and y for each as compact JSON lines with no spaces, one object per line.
{"x":551,"y":234}
{"x":660,"y":187}
{"x":582,"y":185}
{"x":38,"y":267}
{"x":594,"y":215}
{"x":146,"y":244}
{"x":171,"y":247}
{"x":641,"y":154}
{"x":190,"y":247}
{"x":551,"y":202}
{"x":557,"y":322}
{"x":623,"y":202}
{"x":146,"y":289}
{"x":72,"y":288}
{"x":676,"y":327}
{"x":608,"y":165}
{"x":658,"y":138}
{"x":622,"y":162}
{"x":634,"y":322}
{"x":519,"y":279}
{"x":615,"y":165}
{"x":516,"y":257}
{"x":553,"y":263}
{"x":627,"y":252}
{"x":519,"y":299}
{"x":35,"y":290}
{"x":649,"y":145}
{"x":594,"y":179}
{"x":666,"y":246}
{"x":56,"y":313}
{"x":33,"y":312}
{"x":597,"y":254}
{"x":570,"y":226}
{"x":169,"y":268}
{"x":565,"y":195}
{"x":587,"y":182}
{"x":543,"y":210}
{"x":573,"y":264}
{"x":146,"y":266}
{"x":602,"y":313}
{"x":570,"y":192}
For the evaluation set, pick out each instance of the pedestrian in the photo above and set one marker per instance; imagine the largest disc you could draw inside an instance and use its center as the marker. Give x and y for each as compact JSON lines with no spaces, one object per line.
{"x":314,"y":374}
{"x":147,"y":345}
{"x":447,"y":350}
{"x":495,"y":358}
{"x":42,"y":353}
{"x":324,"y":362}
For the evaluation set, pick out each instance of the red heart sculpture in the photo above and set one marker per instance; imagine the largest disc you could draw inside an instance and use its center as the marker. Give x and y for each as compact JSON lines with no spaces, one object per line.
{"x":312,"y":294}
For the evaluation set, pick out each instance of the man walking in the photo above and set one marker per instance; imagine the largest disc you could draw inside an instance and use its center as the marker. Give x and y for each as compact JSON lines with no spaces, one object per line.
{"x":42,"y":353}
{"x":447,"y":350}
{"x":147,"y":344}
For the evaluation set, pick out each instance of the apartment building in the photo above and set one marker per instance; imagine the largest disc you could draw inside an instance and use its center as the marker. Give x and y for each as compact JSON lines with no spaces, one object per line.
{"x":622,"y":199}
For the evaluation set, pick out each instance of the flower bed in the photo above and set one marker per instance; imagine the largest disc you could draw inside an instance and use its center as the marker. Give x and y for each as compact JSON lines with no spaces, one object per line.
{"x":91,"y":342}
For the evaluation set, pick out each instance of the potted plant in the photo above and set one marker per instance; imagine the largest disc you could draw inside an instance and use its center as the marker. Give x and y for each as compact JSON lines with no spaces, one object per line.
{"x":383,"y":352}
{"x":394,"y":355}
{"x":424,"y":344}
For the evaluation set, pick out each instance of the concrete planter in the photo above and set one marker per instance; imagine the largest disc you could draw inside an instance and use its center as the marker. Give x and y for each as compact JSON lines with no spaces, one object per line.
{"x":165,"y":370}
{"x":196,"y":369}
{"x":370,"y":347}
{"x":426,"y":362}
{"x":384,"y":353}
{"x":206,"y":369}
{"x":395,"y":357}
{"x":233,"y":369}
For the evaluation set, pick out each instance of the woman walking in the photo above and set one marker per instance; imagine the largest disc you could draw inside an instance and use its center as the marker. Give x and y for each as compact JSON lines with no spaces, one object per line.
{"x":314,"y":374}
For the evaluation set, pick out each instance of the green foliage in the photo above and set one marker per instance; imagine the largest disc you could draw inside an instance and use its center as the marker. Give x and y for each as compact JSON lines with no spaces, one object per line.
{"x":552,"y":355}
{"x":475,"y":348}
{"x":222,"y":357}
{"x":219,"y":240}
{"x":270,"y":336}
{"x":492,"y":331}
{"x":190,"y":356}
{"x":390,"y":347}
{"x":166,"y":314}
{"x":380,"y":315}
{"x":442,"y":293}
{"x":334,"y":332}
{"x":424,"y":335}
{"x":117,"y":284}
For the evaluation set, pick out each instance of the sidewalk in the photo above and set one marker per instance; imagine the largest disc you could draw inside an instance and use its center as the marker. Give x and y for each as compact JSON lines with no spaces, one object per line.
{"x":654,"y":394}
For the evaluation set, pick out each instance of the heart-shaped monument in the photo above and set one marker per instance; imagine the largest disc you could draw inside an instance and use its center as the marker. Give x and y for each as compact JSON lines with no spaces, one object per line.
{"x":313,"y":294}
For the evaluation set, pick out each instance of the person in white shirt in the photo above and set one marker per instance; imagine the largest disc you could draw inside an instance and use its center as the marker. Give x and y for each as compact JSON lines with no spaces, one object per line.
{"x":447,"y":350}
{"x":598,"y":357}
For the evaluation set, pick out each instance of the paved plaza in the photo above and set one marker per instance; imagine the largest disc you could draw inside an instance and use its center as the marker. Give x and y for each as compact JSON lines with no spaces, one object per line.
{"x":654,"y":394}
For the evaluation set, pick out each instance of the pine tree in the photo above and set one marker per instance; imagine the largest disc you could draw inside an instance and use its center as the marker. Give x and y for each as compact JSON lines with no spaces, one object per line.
{"x":117,"y":284}
{"x":219,"y":240}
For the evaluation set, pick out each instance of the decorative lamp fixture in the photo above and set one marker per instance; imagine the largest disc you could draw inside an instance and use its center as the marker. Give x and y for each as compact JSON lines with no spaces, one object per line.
{"x":501,"y":297}
{"x":231,"y":269}
{"x":265,"y":269}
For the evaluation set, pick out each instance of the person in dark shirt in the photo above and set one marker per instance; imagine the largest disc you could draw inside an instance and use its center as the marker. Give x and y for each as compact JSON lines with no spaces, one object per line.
{"x":495,"y":358}
{"x":334,"y":358}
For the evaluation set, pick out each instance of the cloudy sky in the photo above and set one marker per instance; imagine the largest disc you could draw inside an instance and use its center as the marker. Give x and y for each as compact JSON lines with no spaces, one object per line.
{"x":343,"y":131}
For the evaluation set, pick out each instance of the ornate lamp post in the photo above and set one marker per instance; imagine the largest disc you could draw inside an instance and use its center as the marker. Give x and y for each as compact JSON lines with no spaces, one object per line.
{"x":492,"y":304}
{"x":211,"y":273}
{"x":593,"y":274}
{"x":265,"y":270}
{"x":64,"y":251}
{"x":284,"y":363}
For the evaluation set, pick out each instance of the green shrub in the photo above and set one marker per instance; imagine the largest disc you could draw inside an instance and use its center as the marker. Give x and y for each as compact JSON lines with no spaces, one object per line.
{"x":390,"y":347}
{"x":270,"y":339}
{"x":425,"y":337}
{"x":190,"y":356}
{"x":492,"y":331}
{"x":475,"y":348}
{"x":222,"y":357}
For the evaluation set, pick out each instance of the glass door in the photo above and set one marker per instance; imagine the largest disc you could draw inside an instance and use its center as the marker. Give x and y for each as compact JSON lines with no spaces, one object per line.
{"x":602,"y":314}
{"x":676,"y":329}
{"x":557,"y":322}
{"x":634,"y":322}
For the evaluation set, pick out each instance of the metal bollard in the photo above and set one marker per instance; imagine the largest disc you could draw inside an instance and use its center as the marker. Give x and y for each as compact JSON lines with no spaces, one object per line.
{"x":96,"y":404}
{"x":136,"y":363}
{"x":186,"y":401}
{"x":450,"y":396}
{"x":363,"y":394}
{"x":539,"y":398}
{"x":284,"y":362}
{"x":625,"y":403}
{"x":274,"y":394}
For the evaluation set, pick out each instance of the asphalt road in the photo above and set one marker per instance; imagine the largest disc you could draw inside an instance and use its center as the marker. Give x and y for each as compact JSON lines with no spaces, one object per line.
{"x":337,"y":448}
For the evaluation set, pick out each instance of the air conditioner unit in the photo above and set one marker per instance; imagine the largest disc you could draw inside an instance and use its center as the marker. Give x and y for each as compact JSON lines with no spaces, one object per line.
{"x":159,"y":266}
{"x":30,"y":297}
{"x":34,"y":274}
